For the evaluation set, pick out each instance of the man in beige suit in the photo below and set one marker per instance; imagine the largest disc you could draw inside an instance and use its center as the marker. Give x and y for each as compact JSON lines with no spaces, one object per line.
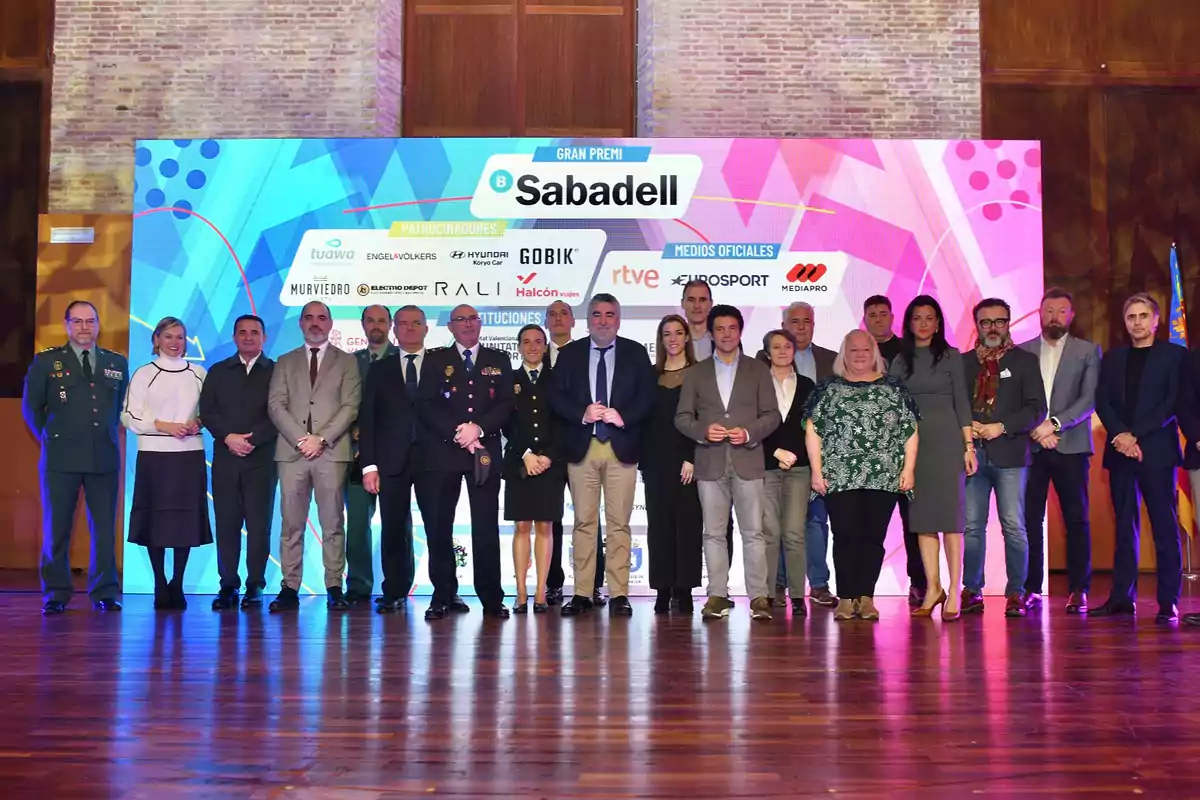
{"x":315,"y":392}
{"x":727,"y":406}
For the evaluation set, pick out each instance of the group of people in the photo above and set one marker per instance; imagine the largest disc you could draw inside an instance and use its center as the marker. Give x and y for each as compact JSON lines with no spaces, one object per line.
{"x":795,"y":441}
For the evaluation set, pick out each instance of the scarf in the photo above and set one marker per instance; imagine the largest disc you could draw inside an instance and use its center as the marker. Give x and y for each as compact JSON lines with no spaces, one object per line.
{"x":987,"y":383}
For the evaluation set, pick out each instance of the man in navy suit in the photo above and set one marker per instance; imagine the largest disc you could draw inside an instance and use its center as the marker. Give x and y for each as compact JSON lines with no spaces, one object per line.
{"x":603,"y":388}
{"x":1136,"y":400}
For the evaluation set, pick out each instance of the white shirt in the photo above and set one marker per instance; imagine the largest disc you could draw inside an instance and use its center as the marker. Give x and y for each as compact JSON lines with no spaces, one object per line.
{"x":417,"y":362}
{"x":726,"y":374}
{"x":529,"y":372}
{"x":554,"y":354}
{"x":321,"y":350}
{"x":610,"y":360}
{"x":166,"y":389}
{"x":702,"y":347}
{"x":474,"y":350}
{"x":1049,"y":356}
{"x":806,"y":363}
{"x":785,"y":392}
{"x":249,"y":365}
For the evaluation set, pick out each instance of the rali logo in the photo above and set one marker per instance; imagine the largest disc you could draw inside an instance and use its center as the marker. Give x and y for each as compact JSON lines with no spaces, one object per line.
{"x":806,"y":273}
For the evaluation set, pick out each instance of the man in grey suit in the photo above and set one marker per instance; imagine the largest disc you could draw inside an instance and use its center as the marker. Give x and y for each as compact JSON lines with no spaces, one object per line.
{"x":1062,"y":448}
{"x":314,"y":398}
{"x":727,"y":406}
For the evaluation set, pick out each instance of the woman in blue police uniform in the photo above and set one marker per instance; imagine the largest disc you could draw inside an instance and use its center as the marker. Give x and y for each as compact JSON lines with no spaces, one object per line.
{"x":533,"y":469}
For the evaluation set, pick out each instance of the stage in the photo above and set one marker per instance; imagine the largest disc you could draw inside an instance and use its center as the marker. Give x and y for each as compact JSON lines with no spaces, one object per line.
{"x":355,"y":705}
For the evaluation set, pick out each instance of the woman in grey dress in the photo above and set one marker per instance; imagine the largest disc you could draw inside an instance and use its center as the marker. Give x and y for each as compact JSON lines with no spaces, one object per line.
{"x":933,"y":373}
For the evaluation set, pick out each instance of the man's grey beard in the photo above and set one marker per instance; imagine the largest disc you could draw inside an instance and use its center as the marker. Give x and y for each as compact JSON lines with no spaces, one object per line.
{"x":993,"y":340}
{"x":1054,"y":332}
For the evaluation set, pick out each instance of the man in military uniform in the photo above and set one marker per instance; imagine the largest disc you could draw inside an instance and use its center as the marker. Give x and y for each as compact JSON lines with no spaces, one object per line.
{"x":465,"y":397}
{"x":72,"y":403}
{"x":360,"y":504}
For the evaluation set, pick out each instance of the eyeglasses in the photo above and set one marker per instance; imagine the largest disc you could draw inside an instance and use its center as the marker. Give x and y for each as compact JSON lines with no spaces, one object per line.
{"x":460,"y":320}
{"x":993,"y":323}
{"x":80,"y":321}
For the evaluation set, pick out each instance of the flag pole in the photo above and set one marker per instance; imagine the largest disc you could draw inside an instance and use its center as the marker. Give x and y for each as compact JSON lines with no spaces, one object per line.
{"x":1179,"y":335}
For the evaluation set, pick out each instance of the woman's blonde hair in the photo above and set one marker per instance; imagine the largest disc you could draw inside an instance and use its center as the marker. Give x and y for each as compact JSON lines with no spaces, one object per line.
{"x":164,"y":324}
{"x":839,"y":363}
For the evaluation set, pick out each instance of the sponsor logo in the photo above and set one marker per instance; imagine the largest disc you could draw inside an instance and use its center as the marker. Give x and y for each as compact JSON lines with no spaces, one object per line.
{"x":401,"y":256}
{"x":628,"y":276}
{"x":525,"y":279}
{"x":391,"y":288}
{"x":332,"y":251}
{"x":722,"y":279}
{"x":525,"y":290}
{"x":481,"y":258}
{"x":532,"y":191}
{"x":805,"y":277}
{"x":548,"y":256}
{"x":322,"y":289}
{"x":363,"y":290}
{"x":476,"y":289}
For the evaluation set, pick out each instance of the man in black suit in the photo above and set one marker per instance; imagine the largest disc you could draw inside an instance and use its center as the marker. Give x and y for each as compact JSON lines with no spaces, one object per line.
{"x":233,"y":406}
{"x":603,"y":389}
{"x":387,"y":435}
{"x":1189,"y":421}
{"x":1136,"y":400}
{"x":1007,"y":402}
{"x":464,"y":399}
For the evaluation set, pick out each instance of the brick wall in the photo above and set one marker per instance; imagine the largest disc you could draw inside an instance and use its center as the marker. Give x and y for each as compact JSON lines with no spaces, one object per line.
{"x":809,"y":68}
{"x":127,"y":69}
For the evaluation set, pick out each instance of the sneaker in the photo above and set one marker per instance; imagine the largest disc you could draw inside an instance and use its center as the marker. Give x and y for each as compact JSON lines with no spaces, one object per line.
{"x":780,"y":600}
{"x":867,"y":609}
{"x":760,"y":608}
{"x":845,"y":609}
{"x":716,"y":608}
{"x":823,"y":597}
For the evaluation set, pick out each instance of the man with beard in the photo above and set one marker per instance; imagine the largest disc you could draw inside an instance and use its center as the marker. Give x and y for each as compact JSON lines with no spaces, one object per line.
{"x":361,"y":504}
{"x":1007,"y":402}
{"x":1062,"y":448}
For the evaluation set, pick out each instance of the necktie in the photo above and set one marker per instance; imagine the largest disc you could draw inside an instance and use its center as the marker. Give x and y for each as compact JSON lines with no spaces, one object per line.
{"x":312,"y":379}
{"x":603,"y":429}
{"x":374,"y":357}
{"x":410,"y":376}
{"x":533,"y":376}
{"x":87,"y":367}
{"x":468,"y":364}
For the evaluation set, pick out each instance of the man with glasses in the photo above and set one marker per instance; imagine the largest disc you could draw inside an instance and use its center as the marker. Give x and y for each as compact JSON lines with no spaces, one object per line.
{"x":1008,"y":401}
{"x":464,"y":398}
{"x":72,"y":403}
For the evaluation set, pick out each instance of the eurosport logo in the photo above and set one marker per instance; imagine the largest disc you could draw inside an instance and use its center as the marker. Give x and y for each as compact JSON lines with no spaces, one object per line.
{"x":806,"y":277}
{"x":723,"y":279}
{"x":393,"y":289}
{"x":332,"y":252}
{"x":402,"y":256}
{"x":481,"y":258}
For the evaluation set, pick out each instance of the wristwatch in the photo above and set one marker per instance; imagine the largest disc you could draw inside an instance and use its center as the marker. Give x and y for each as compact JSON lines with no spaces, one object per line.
{"x":1057,"y":425}
{"x":323,"y":442}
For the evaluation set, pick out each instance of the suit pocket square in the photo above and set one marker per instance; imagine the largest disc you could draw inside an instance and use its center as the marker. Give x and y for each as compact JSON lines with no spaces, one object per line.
{"x":1005,"y":374}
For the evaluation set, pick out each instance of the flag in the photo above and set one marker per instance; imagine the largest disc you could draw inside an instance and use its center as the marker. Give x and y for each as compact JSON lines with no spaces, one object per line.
{"x":1179,"y":336}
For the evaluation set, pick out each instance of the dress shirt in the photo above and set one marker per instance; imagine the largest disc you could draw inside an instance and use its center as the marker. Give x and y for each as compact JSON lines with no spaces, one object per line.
{"x":726,"y":374}
{"x":785,"y":392}
{"x":249,"y":365}
{"x":806,"y":364}
{"x":79,"y":351}
{"x":474,"y":353}
{"x":417,"y":362}
{"x":703,"y":346}
{"x":610,"y":359}
{"x":1049,"y":354}
{"x":528,"y":372}
{"x":321,"y":348}
{"x":554,"y":354}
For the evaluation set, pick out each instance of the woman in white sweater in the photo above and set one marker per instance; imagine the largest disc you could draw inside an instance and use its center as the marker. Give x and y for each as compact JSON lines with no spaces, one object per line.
{"x":170,"y":490}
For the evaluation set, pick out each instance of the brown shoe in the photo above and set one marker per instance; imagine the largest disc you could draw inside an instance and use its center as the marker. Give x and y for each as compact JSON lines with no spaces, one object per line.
{"x":760,"y":608}
{"x":1014,"y":605}
{"x":1077,"y":603}
{"x":780,"y":600}
{"x":867,"y":609}
{"x":971,"y":603}
{"x":823,"y":597}
{"x":845,"y":610}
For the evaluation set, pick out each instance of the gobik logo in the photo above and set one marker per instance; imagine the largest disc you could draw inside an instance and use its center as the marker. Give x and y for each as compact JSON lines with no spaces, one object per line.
{"x":805,"y":278}
{"x":549,"y":256}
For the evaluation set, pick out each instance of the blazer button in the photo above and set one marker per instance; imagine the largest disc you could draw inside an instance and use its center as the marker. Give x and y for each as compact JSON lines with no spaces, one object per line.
{"x":470,"y":397}
{"x":470,"y":411}
{"x":535,"y":424}
{"x":726,"y":416}
{"x":535,"y":410}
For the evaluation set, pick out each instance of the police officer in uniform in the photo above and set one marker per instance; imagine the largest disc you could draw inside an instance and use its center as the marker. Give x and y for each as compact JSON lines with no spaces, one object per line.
{"x":360,"y":504}
{"x":72,"y":403}
{"x":465,"y":397}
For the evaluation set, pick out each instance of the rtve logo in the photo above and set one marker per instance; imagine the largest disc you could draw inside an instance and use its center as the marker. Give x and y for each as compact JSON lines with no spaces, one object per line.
{"x":627,"y":276}
{"x":806,"y":273}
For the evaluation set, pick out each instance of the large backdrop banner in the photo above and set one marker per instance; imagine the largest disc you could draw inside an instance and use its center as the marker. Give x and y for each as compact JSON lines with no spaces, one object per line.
{"x":228,"y":227}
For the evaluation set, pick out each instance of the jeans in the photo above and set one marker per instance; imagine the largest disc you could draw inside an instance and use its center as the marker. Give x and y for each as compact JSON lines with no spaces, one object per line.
{"x":816,"y":544}
{"x":1009,"y":485}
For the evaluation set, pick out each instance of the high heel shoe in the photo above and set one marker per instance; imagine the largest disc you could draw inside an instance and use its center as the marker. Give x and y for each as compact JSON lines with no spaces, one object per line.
{"x":951,"y":616}
{"x":925,"y":612}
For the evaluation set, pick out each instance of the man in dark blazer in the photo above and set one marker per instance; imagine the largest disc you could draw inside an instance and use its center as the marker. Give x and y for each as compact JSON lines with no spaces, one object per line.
{"x":464,"y":400}
{"x":1136,"y":400}
{"x":727,"y":406}
{"x":387,"y":430}
{"x":233,"y":406}
{"x":603,"y":390}
{"x":1008,"y":401}
{"x":72,"y":402}
{"x":1062,"y":448}
{"x":1188,"y":411}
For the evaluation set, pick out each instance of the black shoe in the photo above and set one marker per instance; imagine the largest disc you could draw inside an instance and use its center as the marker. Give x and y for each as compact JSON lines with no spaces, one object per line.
{"x":335,"y":598}
{"x":554,"y":597}
{"x":916,"y":597}
{"x":178,"y":601}
{"x":1191,"y":619}
{"x":619,"y":607}
{"x":226,"y":600}
{"x":799,"y":607}
{"x":107,"y":604}
{"x":354,"y":598}
{"x":162,"y":597}
{"x":287,"y":600}
{"x":1113,"y":608}
{"x":1167,"y":614}
{"x":663,"y":604}
{"x":576,"y":605}
{"x":519,"y":608}
{"x":683,"y":601}
{"x":540,"y":608}
{"x":437,"y":610}
{"x":458,"y":606}
{"x":499,"y":611}
{"x":598,"y":599}
{"x":252,"y":597}
{"x":53,"y":607}
{"x":389,"y":605}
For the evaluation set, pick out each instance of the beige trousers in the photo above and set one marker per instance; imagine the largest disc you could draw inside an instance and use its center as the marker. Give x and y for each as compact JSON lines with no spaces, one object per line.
{"x":298,"y":481}
{"x":600,"y":473}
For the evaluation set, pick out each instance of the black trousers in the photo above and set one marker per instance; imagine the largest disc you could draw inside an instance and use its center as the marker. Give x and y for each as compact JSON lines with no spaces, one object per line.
{"x":912,"y":551}
{"x":674,"y":531}
{"x":1069,"y":474}
{"x":1157,"y":484}
{"x":859,"y":521}
{"x":437,"y":496}
{"x":60,"y":497}
{"x":396,"y":543}
{"x":243,"y":494}
{"x":557,"y":578}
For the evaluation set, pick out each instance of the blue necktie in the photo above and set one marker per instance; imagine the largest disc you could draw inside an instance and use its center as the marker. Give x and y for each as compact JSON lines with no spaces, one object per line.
{"x":533,"y":376}
{"x":468,"y":364}
{"x":603,"y":429}
{"x":410,"y":376}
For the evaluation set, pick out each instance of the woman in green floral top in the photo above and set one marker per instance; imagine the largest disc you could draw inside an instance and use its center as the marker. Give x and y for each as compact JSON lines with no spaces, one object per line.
{"x":862,"y":449}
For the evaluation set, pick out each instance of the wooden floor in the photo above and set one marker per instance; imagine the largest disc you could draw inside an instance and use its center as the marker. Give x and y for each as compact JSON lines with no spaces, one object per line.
{"x":196,"y":704}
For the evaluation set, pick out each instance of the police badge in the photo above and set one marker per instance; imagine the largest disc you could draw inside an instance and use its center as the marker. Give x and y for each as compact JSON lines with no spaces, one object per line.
{"x":516,"y":388}
{"x":449,"y":371}
{"x":58,"y":366}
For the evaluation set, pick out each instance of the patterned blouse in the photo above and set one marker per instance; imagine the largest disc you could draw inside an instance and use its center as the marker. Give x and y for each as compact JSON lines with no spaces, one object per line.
{"x":863,"y":426}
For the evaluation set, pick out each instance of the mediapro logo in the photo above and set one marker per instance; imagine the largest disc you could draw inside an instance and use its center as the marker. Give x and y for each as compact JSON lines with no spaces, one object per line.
{"x":805,"y":278}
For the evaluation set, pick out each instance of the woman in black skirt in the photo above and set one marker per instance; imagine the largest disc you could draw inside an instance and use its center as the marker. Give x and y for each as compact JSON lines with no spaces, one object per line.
{"x":170,"y":490}
{"x":674,"y":526}
{"x":534,"y":473}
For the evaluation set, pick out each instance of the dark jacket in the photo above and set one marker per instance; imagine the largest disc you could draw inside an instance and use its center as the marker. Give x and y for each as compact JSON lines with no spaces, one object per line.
{"x":790,"y":434}
{"x":1188,"y":410}
{"x":386,"y":418}
{"x":449,"y":396}
{"x":232,"y":401}
{"x":1020,"y":406}
{"x":632,"y":395}
{"x":1153,"y":421}
{"x":531,"y":425}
